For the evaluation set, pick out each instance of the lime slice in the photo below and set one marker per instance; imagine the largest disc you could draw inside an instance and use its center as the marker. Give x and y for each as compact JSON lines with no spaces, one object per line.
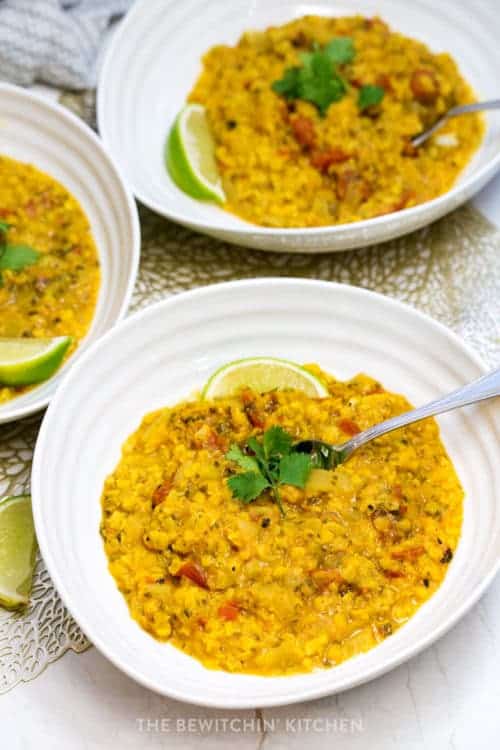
{"x":29,"y":361}
{"x":17,"y":551}
{"x":191,"y":155}
{"x":262,"y":374}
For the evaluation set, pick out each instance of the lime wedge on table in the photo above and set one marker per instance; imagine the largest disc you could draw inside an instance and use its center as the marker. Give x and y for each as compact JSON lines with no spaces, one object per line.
{"x":29,"y":361}
{"x":191,"y":155}
{"x":262,"y":374}
{"x":17,"y":551}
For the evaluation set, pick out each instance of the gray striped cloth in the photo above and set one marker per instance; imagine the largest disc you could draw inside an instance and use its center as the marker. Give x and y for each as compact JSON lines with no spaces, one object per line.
{"x":54,"y":41}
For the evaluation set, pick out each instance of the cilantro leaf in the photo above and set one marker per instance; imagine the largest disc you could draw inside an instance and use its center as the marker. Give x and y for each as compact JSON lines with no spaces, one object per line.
{"x":340,"y":50}
{"x":247,"y":486}
{"x":295,"y":469}
{"x":17,"y":257}
{"x":248,"y":463}
{"x":288,"y":86}
{"x":306,"y":57}
{"x":277,"y":441}
{"x":319,"y":83}
{"x":317,"y":80}
{"x":369,"y":96}
{"x":14,"y":257}
{"x":258,"y":449}
{"x":274,"y":464}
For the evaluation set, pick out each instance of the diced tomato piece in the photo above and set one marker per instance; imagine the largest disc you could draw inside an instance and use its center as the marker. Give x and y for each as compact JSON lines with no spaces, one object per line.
{"x":384,"y":82}
{"x":195,"y":573}
{"x":410,"y":554}
{"x":161,"y":492}
{"x":394,"y":574}
{"x":247,"y":396}
{"x":255,"y":418}
{"x":303,"y":131}
{"x":323,"y":159}
{"x":213,"y":441}
{"x":229,"y":610}
{"x":349,"y":426}
{"x":206,"y":437}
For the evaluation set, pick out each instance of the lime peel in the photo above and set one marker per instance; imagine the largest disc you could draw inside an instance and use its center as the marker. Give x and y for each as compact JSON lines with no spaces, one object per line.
{"x":190,"y":155}
{"x":18,"y":548}
{"x":30,"y":361}
{"x":262,"y":374}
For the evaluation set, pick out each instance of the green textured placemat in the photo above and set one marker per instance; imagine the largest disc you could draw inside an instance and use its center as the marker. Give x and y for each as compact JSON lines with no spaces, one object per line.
{"x":450,"y":270}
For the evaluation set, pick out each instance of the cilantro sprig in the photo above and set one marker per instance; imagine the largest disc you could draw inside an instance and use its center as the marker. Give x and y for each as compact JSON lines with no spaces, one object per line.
{"x":318,"y":81}
{"x":340,"y":50}
{"x":269,"y":463}
{"x":14,"y":257}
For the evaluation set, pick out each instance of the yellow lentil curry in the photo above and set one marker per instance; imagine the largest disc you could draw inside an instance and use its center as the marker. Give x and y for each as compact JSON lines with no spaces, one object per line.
{"x":245,"y":589}
{"x":57,"y":294}
{"x":285,"y":163}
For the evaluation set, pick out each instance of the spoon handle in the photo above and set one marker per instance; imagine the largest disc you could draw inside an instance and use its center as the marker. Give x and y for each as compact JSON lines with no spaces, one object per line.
{"x":479,"y":390}
{"x":474,"y":107}
{"x":461,"y":109}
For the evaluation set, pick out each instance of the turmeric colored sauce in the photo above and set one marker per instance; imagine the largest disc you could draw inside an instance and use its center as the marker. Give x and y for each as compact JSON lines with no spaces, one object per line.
{"x":244,"y":589}
{"x":284,"y":163}
{"x":57,"y":295}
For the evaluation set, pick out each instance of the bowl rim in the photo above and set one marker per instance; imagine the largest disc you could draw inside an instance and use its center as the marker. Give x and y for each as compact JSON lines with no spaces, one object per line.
{"x":458,"y":193}
{"x":68,"y":598}
{"x":13,"y":413}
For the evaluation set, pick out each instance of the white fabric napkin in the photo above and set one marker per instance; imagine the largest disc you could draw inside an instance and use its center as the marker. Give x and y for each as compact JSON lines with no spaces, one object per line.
{"x":54,"y":41}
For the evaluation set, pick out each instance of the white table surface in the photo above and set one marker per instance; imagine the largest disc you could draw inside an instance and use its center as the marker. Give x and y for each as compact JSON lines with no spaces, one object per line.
{"x":447,"y":698}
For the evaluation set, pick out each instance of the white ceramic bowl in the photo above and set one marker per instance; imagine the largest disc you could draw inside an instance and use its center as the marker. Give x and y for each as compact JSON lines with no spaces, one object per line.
{"x":157,"y":53}
{"x":158,"y":357}
{"x":48,"y":136}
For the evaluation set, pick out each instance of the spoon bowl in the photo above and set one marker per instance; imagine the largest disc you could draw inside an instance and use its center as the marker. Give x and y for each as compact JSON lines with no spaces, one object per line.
{"x":323,"y":455}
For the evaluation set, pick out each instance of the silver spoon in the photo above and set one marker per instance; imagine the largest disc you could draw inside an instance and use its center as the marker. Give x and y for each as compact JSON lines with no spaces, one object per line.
{"x":326,"y":456}
{"x":419,"y":139}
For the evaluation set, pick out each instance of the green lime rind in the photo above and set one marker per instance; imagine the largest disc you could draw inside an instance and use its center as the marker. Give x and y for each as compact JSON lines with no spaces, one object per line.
{"x":181,"y":170}
{"x":18,"y":548}
{"x":287,"y":365}
{"x":30,"y":370}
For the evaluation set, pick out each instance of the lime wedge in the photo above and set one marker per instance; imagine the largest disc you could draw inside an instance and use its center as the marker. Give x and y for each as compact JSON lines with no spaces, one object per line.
{"x":191,"y":155}
{"x":262,"y":374}
{"x":17,"y":551}
{"x":29,"y":361}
